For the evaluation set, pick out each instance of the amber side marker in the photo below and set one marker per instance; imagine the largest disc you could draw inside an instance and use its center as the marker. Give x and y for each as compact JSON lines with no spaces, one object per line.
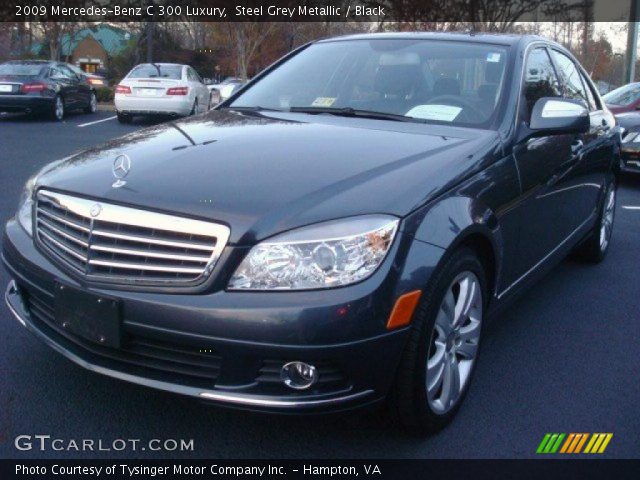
{"x":403,"y":309}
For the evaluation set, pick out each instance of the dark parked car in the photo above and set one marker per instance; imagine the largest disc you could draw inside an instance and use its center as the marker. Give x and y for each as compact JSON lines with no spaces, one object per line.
{"x":623,"y":99}
{"x":630,"y":151}
{"x":333,"y":235}
{"x":44,"y":87}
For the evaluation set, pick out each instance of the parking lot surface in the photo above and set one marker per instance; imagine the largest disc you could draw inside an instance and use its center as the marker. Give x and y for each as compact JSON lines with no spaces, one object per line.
{"x":564,"y":358}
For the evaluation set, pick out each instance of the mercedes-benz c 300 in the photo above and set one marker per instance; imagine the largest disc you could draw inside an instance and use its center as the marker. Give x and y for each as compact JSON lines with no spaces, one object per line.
{"x":335,"y":234}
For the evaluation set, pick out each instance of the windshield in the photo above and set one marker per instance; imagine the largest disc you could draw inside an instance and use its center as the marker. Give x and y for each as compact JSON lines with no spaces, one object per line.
{"x":436,"y":81}
{"x":156,"y":71}
{"x":21,"y":69}
{"x":624,"y":96}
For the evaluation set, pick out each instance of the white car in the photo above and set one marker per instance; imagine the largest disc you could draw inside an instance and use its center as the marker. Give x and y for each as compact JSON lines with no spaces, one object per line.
{"x":161,"y":88}
{"x":222,"y":91}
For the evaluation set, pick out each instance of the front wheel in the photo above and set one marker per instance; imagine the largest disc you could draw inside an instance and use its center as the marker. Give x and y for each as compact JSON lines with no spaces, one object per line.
{"x":440,"y":356}
{"x":595,"y":247}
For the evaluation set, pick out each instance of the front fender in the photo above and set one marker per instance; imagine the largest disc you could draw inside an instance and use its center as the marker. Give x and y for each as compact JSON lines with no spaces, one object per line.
{"x":457,"y":220}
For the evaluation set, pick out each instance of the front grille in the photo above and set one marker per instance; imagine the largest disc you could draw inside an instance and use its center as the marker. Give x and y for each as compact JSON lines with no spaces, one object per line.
{"x":111,"y":243}
{"x":139,"y":355}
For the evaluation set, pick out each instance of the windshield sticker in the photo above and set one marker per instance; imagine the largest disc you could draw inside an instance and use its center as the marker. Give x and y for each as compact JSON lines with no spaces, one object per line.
{"x":443,"y":113}
{"x":493,"y":57}
{"x":323,"y":101}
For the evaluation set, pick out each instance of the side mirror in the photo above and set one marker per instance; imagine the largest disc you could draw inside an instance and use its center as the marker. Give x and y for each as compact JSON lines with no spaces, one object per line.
{"x":559,"y":115}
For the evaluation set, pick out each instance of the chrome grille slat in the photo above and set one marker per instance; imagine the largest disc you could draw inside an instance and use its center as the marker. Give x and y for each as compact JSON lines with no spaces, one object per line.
{"x":133,"y":238}
{"x":152,"y":254}
{"x":63,"y":233}
{"x":112,"y":243}
{"x":64,"y":247}
{"x":63,"y":220}
{"x":144,"y":266}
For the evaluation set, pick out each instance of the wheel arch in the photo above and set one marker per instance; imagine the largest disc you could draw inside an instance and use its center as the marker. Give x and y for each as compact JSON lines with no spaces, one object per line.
{"x":471,"y":224}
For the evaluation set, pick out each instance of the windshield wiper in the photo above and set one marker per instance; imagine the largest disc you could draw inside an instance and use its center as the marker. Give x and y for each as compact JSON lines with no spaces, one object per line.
{"x":255,"y":108}
{"x":352,"y":112}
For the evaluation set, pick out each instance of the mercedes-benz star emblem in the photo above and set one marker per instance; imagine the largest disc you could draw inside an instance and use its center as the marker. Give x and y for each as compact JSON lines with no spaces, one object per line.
{"x":121,"y":167}
{"x":96,"y":208}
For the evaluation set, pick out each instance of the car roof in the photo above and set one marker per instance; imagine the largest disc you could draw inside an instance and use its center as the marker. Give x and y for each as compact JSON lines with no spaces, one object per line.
{"x":488,"y":38}
{"x":32,"y":62}
{"x":161,"y":64}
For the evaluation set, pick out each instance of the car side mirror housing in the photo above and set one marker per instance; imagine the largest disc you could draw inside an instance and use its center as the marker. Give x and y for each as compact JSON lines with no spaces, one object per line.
{"x":552,"y":115}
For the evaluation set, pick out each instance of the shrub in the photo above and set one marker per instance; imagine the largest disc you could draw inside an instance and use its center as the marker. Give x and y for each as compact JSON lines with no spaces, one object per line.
{"x":104,"y":94}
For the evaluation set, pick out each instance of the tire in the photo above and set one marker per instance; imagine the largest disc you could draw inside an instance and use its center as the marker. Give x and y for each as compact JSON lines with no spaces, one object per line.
{"x":595,"y":247}
{"x":57,"y":110}
{"x":93,"y":104}
{"x":124,"y":117}
{"x":410,"y":404}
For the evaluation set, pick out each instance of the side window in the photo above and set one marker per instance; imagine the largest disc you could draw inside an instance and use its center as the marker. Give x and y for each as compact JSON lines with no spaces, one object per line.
{"x":58,"y":72}
{"x":540,"y":79}
{"x":573,"y":87}
{"x":67,"y":72}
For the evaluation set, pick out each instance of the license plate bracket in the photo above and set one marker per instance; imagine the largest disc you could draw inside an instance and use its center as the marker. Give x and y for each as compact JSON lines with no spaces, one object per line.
{"x":93,"y":317}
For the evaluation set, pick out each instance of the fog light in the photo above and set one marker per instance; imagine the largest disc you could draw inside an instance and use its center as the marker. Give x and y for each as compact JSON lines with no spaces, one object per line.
{"x":298,"y":375}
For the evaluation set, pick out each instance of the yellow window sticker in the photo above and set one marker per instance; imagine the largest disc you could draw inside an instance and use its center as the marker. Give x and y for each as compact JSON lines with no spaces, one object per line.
{"x":323,"y":101}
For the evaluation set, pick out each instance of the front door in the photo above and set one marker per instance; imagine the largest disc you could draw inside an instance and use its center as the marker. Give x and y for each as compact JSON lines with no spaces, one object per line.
{"x":546,"y":166}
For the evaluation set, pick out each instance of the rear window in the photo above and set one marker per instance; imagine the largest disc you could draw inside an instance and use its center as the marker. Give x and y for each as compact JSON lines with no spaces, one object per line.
{"x":21,"y":69}
{"x":156,"y":71}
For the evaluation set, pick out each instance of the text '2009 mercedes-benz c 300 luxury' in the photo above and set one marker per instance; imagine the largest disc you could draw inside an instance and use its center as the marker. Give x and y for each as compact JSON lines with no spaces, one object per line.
{"x":335,"y":234}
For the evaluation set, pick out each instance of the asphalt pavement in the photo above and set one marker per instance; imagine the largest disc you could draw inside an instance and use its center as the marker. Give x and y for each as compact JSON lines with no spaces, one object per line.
{"x":564,"y":358}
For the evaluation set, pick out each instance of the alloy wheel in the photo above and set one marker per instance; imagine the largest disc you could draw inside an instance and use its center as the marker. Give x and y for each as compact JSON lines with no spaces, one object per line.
{"x":454,"y":342}
{"x":606,"y":224}
{"x":93,"y":103}
{"x":59,"y":108}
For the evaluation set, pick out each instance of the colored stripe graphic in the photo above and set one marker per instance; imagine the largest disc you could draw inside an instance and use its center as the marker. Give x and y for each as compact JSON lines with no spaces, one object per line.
{"x":581,"y":442}
{"x":598,"y":442}
{"x":543,"y":443}
{"x":552,"y":442}
{"x":568,"y":442}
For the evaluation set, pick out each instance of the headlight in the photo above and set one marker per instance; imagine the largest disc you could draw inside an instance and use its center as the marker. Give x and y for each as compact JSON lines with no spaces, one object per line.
{"x":26,"y":206}
{"x":329,"y":254}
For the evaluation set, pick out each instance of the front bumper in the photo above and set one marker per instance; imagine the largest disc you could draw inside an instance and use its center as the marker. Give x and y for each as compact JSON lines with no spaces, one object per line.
{"x":247,"y":336}
{"x":18,"y":308}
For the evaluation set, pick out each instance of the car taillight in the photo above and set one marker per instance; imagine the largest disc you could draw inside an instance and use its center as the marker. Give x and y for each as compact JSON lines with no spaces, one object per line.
{"x":33,"y":87}
{"x":96,"y":81}
{"x":123,"y":89}
{"x":178,"y":91}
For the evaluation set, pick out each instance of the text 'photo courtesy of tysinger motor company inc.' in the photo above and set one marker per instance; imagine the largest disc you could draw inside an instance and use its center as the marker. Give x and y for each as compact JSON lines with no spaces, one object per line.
{"x":320,"y":238}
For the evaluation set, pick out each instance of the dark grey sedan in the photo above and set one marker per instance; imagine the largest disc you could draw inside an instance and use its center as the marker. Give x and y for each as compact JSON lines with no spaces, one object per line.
{"x":336,"y":234}
{"x":44,"y":87}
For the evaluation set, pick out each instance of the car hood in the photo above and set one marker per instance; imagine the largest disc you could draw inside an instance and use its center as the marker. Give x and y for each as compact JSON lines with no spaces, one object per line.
{"x":266,"y":174}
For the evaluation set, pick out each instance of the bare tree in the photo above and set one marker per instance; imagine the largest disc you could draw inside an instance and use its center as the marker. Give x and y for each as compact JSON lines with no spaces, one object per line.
{"x":246,"y":38}
{"x":55,"y":33}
